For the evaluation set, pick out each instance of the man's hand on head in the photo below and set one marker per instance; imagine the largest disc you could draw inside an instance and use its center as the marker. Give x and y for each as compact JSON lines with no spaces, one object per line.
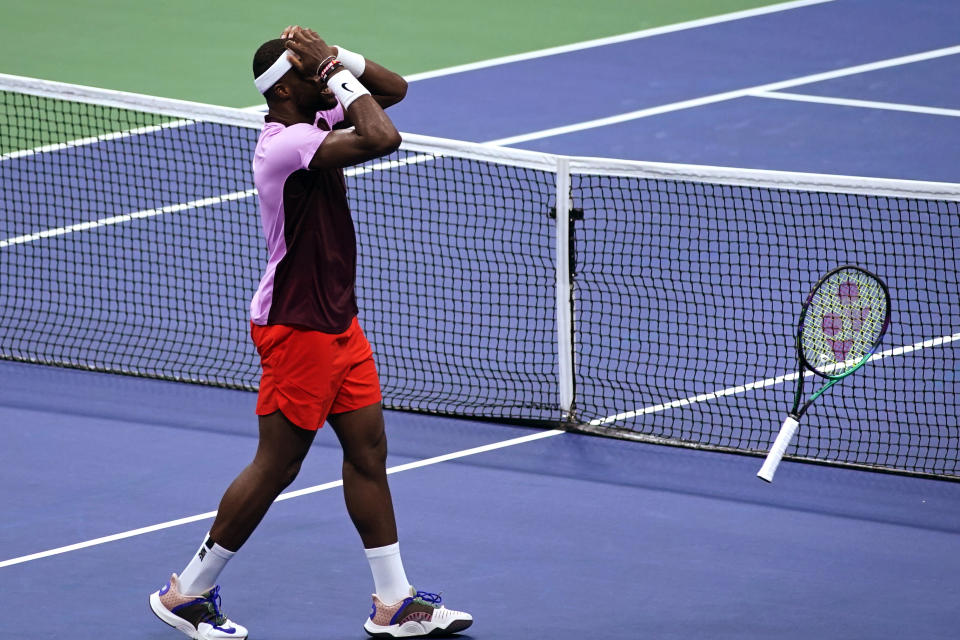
{"x":308,"y":49}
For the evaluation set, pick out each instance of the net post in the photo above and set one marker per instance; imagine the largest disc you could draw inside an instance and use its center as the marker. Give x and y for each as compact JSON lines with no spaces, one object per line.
{"x":564,"y":290}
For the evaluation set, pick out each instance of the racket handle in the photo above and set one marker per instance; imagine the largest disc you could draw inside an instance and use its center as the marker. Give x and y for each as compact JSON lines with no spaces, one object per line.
{"x":779,"y":447}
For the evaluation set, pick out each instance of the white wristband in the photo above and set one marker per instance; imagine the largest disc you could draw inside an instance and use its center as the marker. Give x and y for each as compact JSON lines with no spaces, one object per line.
{"x":346,"y":87}
{"x":354,"y":62}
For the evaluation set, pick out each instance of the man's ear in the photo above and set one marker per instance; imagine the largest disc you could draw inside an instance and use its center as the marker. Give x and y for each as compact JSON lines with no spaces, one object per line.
{"x":280,"y":91}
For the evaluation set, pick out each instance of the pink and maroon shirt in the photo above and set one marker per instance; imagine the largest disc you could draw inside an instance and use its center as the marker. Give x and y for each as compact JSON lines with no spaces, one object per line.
{"x":311,"y":269}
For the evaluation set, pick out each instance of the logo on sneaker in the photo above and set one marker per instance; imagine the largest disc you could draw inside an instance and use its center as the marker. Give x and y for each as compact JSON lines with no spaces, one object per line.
{"x":164,"y":590}
{"x":373,"y":611}
{"x":203,"y":553}
{"x":230,"y":630}
{"x":345,"y":88}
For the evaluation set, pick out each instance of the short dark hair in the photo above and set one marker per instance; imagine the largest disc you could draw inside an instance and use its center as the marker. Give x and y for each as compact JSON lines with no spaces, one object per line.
{"x":266,"y":55}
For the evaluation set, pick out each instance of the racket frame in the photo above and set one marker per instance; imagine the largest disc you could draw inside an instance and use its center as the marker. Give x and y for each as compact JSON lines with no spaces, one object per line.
{"x":790,"y":424}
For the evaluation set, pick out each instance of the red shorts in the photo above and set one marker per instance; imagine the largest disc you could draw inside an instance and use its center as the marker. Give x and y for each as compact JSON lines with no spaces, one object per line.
{"x":307,"y":374}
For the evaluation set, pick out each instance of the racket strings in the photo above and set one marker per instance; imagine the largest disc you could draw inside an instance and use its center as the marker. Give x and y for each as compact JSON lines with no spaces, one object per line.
{"x":845,"y":320}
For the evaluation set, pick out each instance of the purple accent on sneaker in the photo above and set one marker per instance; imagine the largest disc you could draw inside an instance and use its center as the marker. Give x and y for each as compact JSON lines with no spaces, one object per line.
{"x":180,"y":607}
{"x":164,"y":590}
{"x":373,"y":610}
{"x":403,"y":606}
{"x":225,"y":630}
{"x":433,"y":599}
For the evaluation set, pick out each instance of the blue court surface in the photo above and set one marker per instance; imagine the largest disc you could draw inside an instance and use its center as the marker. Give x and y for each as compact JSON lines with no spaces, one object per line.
{"x":110,"y":481}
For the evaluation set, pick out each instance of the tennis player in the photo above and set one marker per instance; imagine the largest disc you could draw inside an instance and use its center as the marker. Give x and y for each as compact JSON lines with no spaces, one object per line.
{"x":317,"y":365}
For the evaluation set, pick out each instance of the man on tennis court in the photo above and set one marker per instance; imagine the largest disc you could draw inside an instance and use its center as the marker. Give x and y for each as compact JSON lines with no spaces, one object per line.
{"x":317,"y":364}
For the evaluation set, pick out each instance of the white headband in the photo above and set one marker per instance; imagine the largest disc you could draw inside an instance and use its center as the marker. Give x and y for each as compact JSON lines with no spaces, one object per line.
{"x":269,"y":77}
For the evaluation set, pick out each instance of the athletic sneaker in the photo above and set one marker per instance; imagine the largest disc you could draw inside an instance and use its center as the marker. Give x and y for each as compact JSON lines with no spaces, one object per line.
{"x":199,"y":617}
{"x":418,"y":616}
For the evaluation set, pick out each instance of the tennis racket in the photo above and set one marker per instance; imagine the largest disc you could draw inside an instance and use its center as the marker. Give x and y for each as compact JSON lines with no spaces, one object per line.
{"x":841,"y":325}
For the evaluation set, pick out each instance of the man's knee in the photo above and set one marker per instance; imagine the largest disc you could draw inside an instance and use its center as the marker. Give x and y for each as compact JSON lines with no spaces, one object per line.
{"x":277,"y":472}
{"x":289,"y":474}
{"x":368,"y":458}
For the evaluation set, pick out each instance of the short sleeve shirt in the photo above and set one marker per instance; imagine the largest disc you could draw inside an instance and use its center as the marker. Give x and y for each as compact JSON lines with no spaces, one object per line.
{"x":311,"y":241}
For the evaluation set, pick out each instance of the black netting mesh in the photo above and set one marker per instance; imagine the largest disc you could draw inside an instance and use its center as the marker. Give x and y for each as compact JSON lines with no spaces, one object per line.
{"x":131,"y":243}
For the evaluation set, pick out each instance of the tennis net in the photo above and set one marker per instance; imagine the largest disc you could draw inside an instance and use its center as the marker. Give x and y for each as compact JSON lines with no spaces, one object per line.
{"x":642,"y":300}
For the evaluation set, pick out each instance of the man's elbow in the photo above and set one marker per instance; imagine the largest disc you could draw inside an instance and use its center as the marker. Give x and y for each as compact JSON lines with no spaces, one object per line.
{"x":398,"y":92}
{"x":382,"y":143}
{"x":401,"y":92}
{"x":390,"y":142}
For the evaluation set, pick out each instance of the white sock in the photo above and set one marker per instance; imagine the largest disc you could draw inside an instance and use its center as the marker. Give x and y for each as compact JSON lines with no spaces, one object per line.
{"x":205,"y":567}
{"x":389,"y":578}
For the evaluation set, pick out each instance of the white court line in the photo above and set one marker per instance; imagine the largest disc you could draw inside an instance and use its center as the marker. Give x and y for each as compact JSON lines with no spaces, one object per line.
{"x":624,"y":37}
{"x":848,"y":102}
{"x":413,"y":78}
{"x":284,"y":496}
{"x":193,"y":204}
{"x":760,"y":384}
{"x":602,"y":42}
{"x":60,"y":146}
{"x":480,"y":64}
{"x":643,"y":113}
{"x":729,"y":95}
{"x":127,"y":217}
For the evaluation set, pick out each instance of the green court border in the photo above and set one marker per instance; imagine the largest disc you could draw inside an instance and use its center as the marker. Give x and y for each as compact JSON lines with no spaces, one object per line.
{"x":201,"y":50}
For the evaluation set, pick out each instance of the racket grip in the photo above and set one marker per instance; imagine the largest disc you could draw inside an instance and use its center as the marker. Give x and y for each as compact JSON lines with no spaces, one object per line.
{"x":779,"y":447}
